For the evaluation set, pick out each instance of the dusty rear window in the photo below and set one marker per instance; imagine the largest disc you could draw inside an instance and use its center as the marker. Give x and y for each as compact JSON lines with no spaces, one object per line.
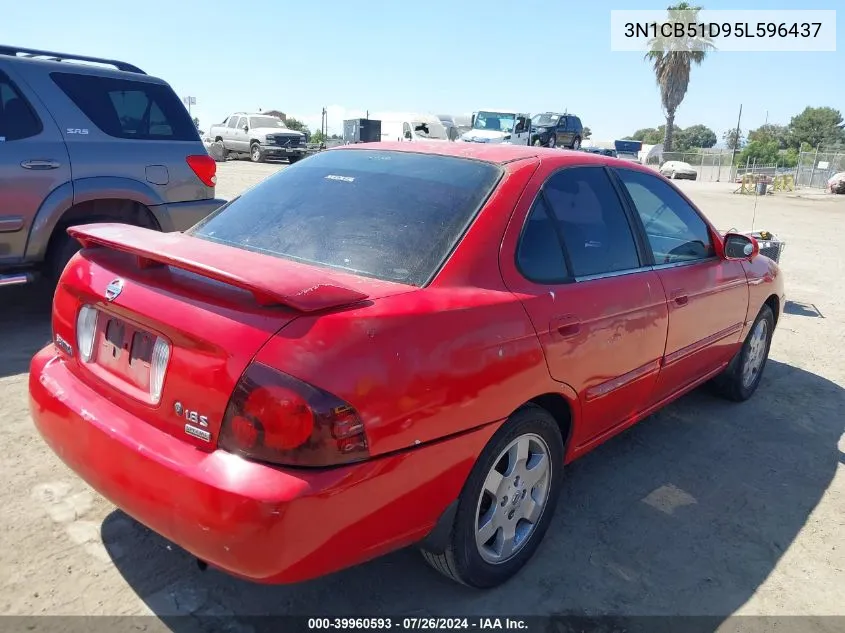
{"x":394,"y":216}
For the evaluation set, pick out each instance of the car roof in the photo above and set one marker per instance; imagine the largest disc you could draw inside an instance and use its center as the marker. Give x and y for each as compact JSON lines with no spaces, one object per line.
{"x":98,"y":69}
{"x":496,"y":153}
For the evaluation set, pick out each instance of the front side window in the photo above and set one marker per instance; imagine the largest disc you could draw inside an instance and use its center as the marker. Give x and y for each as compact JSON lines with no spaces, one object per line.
{"x":129,"y":109}
{"x":592,"y":221}
{"x":675,"y":231}
{"x":394,"y":216}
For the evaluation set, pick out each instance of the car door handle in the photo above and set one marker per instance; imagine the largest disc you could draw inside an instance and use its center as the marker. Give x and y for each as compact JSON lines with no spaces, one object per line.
{"x":566,"y":326}
{"x":680,"y":297}
{"x":40,"y":164}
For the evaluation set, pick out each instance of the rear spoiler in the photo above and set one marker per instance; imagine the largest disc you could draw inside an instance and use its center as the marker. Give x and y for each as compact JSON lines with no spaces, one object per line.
{"x":270,"y":280}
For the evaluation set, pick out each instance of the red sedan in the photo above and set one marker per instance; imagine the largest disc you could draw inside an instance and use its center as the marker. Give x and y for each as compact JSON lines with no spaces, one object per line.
{"x":386,"y":345}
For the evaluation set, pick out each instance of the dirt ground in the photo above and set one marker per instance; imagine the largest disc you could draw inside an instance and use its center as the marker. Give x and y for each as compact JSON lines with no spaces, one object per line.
{"x":707,"y":508}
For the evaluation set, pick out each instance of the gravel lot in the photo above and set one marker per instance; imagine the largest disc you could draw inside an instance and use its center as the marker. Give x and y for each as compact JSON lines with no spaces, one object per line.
{"x":706,"y":508}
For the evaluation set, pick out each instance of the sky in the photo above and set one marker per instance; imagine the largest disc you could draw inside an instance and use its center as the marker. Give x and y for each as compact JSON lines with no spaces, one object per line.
{"x":438,"y":57}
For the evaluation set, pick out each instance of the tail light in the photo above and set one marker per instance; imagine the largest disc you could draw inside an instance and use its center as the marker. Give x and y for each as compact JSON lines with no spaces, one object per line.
{"x":86,"y":329}
{"x":204,"y":167}
{"x":275,"y":418}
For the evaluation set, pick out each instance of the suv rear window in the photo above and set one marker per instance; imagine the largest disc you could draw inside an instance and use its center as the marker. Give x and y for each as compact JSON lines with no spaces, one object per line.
{"x":391,"y":215}
{"x":129,"y":109}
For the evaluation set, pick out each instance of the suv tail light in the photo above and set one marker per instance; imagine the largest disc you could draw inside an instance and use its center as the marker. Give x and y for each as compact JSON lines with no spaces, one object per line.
{"x":204,"y":167}
{"x":275,"y":418}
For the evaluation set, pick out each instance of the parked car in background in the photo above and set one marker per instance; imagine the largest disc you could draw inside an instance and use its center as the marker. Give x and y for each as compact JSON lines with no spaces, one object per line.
{"x":552,"y":129}
{"x":836,"y":183}
{"x":676,"y":169}
{"x":499,"y":126}
{"x":425,"y":333}
{"x":81,"y":143}
{"x":259,"y":136}
{"x":603,"y":151}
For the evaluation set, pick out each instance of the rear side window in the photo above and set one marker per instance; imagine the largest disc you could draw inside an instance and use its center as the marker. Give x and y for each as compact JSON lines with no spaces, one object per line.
{"x":394,"y":216}
{"x":129,"y":109}
{"x":17,"y":118}
{"x":592,"y":221}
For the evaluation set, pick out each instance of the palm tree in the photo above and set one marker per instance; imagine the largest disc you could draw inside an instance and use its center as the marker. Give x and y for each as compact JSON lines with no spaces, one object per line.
{"x":672,"y":59}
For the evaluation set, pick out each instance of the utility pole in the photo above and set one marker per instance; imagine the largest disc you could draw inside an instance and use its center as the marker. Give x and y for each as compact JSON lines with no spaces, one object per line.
{"x":736,"y":139}
{"x":189,"y":101}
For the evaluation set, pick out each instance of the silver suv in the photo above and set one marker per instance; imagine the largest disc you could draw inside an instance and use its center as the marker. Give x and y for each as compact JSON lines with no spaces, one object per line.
{"x":81,"y":143}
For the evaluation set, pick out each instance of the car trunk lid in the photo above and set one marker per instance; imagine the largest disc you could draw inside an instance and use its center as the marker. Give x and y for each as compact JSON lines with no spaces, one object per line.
{"x":215,"y":305}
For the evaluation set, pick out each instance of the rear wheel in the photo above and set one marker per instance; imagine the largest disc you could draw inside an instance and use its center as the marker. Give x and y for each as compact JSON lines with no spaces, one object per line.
{"x":507,"y":502}
{"x":256,"y":154}
{"x":552,"y":140}
{"x":576,"y":143}
{"x":742,"y":376}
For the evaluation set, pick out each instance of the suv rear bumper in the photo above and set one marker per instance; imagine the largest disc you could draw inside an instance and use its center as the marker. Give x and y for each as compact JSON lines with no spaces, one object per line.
{"x":180,"y":216}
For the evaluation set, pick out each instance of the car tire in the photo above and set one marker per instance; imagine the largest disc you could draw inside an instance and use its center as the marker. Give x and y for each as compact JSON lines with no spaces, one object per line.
{"x":552,"y":141}
{"x":256,"y":154}
{"x":224,"y":153}
{"x":742,"y":376}
{"x":501,"y":498}
{"x":63,"y":248}
{"x":576,"y":143}
{"x":537,"y":143}
{"x":293,"y":159}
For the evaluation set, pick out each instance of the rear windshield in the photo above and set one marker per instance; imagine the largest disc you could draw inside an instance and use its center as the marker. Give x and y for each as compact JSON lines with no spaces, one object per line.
{"x":129,"y":109}
{"x":394,"y":216}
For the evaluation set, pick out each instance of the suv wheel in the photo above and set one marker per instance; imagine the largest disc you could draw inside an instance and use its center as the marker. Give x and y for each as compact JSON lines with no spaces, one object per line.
{"x":256,"y":155}
{"x":576,"y":144}
{"x":61,"y":251}
{"x":552,"y":140}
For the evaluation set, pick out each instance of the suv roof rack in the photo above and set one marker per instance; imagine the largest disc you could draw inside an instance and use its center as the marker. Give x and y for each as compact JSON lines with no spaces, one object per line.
{"x":16,"y":51}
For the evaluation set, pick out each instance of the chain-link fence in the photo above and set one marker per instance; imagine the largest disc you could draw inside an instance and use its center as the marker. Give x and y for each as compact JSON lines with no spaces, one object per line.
{"x":816,"y":168}
{"x":712,"y":166}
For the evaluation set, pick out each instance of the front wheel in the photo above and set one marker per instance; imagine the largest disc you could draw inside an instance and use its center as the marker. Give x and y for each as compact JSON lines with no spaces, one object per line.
{"x":552,"y":141}
{"x":740,"y":379}
{"x":507,"y":502}
{"x":256,"y":154}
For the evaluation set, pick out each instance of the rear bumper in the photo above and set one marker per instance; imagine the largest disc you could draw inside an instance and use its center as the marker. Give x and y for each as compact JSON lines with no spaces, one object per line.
{"x":257,"y":522}
{"x":180,"y":216}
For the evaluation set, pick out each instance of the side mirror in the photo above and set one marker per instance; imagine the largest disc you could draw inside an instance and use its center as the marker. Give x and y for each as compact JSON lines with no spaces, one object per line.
{"x":408,"y":135}
{"x":738,"y":246}
{"x":246,"y":128}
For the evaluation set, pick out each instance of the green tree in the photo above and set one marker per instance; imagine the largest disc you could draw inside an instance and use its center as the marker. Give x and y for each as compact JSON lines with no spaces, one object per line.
{"x":760,"y":152}
{"x":698,"y":136}
{"x":733,"y":138}
{"x":197,"y":122}
{"x":816,"y":126}
{"x":296,"y":124}
{"x":672,"y":60}
{"x":318,"y":137}
{"x":586,"y":132}
{"x":770,"y":132}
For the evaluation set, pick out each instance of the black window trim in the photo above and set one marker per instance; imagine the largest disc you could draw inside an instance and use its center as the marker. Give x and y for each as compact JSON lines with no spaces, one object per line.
{"x":641,"y":227}
{"x":22,"y":95}
{"x":643,"y":251}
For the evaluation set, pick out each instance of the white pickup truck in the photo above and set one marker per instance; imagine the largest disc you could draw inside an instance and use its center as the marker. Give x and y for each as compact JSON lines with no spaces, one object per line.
{"x":258,"y":136}
{"x":499,"y":126}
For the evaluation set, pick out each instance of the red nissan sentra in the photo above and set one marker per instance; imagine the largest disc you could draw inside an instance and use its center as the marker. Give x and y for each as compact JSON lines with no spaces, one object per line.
{"x":391,"y":344}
